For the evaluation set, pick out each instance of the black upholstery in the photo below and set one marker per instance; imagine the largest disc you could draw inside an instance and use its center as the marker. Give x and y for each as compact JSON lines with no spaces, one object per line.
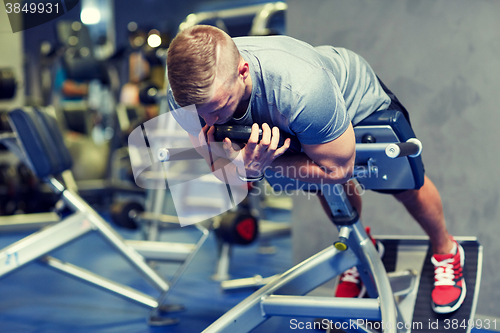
{"x":56,"y":140}
{"x":41,"y":140}
{"x":403,"y":131}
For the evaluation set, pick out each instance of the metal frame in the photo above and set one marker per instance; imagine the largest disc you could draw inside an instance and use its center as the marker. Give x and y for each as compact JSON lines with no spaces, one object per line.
{"x":268,"y":230}
{"x":373,"y":155}
{"x":38,"y":246}
{"x":27,"y":222}
{"x":23,"y":222}
{"x":84,"y":220}
{"x":262,"y":14}
{"x":284,"y":295}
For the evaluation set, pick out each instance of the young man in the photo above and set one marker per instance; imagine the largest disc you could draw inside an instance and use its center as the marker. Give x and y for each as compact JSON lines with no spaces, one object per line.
{"x":317,"y":94}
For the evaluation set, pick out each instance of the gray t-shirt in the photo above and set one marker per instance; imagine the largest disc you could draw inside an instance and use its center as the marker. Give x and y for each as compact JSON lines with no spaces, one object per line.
{"x":310,"y":92}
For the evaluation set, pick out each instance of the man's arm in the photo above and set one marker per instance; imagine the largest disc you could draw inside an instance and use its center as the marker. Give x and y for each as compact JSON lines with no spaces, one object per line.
{"x":320,"y":115}
{"x":331,"y":162}
{"x":221,"y":167}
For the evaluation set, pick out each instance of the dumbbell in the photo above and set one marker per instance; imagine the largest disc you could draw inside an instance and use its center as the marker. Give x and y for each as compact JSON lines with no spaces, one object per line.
{"x":238,"y":227}
{"x":241,"y":134}
{"x":237,"y":134}
{"x":123,"y":214}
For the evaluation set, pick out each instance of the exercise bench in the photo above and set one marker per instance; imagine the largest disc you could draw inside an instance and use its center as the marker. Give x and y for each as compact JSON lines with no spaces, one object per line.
{"x":38,"y":142}
{"x":387,"y":158}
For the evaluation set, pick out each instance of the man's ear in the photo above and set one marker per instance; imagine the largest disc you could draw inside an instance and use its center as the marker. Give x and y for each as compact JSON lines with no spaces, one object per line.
{"x":243,"y":69}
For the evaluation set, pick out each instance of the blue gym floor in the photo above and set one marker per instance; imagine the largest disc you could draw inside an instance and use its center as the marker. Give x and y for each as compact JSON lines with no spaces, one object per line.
{"x":38,"y":299}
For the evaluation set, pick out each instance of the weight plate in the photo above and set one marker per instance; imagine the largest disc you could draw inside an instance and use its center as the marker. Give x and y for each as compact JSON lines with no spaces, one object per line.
{"x":121,"y":214}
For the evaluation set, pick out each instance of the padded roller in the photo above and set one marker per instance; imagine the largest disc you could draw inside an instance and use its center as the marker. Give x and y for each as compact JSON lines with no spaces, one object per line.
{"x":42,"y":141}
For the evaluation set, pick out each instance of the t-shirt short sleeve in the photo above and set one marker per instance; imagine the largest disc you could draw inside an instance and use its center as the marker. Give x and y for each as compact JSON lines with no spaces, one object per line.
{"x":320,"y":114}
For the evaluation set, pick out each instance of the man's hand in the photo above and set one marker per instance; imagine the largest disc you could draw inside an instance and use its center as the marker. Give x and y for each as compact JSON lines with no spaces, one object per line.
{"x":216,"y":149}
{"x":257,"y":156}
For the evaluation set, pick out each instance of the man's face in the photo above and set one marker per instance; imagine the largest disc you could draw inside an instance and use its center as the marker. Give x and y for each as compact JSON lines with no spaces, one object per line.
{"x":221,"y":108}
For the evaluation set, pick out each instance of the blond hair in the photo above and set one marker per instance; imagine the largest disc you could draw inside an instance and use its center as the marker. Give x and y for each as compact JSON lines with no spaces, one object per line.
{"x":195,"y":57}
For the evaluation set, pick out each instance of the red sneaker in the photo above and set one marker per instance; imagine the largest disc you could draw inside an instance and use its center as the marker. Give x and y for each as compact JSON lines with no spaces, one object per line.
{"x":350,"y":285}
{"x":449,"y":284}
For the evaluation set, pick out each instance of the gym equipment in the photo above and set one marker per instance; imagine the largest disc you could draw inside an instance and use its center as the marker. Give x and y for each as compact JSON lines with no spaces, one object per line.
{"x":21,"y":194}
{"x":241,"y":134}
{"x":202,"y":204}
{"x":251,"y":215}
{"x":262,"y":19}
{"x":238,"y":227}
{"x":395,"y":299}
{"x":255,"y":20}
{"x":92,"y":115}
{"x":122,"y":213}
{"x":20,"y":191}
{"x":27,"y":222}
{"x":8,"y":83}
{"x":148,"y":93}
{"x":38,"y":142}
{"x":75,"y":37}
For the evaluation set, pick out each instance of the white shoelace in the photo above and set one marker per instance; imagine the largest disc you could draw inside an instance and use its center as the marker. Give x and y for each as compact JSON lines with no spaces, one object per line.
{"x":443,"y":272}
{"x":351,"y":275}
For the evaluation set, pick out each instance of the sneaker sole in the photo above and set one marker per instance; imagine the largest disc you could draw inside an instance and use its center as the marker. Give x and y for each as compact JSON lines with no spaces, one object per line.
{"x":449,"y":309}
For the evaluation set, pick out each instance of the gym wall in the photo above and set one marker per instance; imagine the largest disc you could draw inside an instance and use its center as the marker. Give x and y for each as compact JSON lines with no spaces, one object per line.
{"x":440,"y":57}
